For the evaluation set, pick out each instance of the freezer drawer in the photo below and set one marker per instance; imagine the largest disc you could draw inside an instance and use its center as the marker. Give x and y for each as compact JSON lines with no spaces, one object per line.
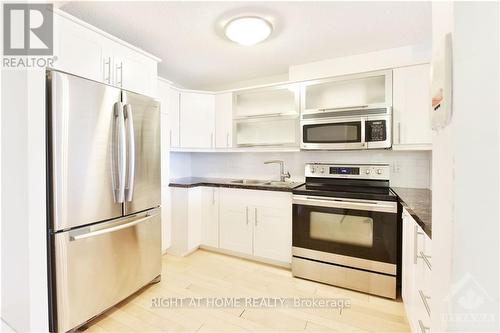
{"x":98,"y":266}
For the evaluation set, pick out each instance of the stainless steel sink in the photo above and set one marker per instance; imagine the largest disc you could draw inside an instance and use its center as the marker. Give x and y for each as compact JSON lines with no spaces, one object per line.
{"x":278,"y":183}
{"x":265,"y":183}
{"x":249,"y":182}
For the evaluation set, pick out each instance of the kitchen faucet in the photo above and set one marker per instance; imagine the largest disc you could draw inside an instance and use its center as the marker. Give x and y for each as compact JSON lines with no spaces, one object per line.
{"x":283,"y":174}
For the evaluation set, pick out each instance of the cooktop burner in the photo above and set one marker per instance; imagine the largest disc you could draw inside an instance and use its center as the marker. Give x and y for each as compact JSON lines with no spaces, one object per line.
{"x":361,"y":181}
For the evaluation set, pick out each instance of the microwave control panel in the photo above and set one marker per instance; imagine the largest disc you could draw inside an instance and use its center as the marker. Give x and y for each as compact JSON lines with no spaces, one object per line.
{"x":376,"y":130}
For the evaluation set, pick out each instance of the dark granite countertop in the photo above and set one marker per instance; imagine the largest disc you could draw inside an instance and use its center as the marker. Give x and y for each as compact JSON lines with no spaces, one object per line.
{"x":418,"y":202}
{"x":188,"y":182}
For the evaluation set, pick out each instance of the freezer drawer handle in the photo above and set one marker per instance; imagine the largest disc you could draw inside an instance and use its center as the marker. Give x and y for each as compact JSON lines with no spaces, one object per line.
{"x":108,"y":230}
{"x":129,"y":124}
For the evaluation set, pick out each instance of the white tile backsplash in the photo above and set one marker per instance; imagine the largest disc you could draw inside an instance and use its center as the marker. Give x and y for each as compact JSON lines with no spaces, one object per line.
{"x":408,"y":168}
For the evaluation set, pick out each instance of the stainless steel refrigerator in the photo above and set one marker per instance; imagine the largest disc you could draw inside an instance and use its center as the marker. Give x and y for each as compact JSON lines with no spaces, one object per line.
{"x":103,"y":181}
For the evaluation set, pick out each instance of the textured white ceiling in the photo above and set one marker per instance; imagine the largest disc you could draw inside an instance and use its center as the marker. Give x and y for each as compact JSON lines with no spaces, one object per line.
{"x":188,"y":37}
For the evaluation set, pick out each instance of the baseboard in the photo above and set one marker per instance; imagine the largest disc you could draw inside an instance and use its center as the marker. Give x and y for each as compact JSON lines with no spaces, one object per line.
{"x":247,"y":256}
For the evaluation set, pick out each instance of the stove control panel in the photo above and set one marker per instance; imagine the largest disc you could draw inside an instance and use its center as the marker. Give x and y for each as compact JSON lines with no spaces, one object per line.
{"x":355,"y":171}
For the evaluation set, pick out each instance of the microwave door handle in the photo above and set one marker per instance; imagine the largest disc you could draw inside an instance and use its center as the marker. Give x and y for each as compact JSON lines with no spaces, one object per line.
{"x":129,"y":121}
{"x":363,"y":132}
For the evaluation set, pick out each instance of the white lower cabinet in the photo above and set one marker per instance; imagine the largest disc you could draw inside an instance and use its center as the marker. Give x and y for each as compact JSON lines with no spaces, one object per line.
{"x":257,"y":223}
{"x":416,"y":274}
{"x":210,"y":216}
{"x":252,"y":223}
{"x":235,"y":216}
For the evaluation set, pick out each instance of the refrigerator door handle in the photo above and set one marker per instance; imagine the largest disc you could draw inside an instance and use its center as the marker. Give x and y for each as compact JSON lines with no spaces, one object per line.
{"x":110,"y":229}
{"x":119,"y":154}
{"x":129,"y":124}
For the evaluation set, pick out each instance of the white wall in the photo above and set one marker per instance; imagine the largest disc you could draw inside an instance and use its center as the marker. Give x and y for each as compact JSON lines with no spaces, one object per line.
{"x":408,"y":169}
{"x":465,"y":175}
{"x":366,"y":62}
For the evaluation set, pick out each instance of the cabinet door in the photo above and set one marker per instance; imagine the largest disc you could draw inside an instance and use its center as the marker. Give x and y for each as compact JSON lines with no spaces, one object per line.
{"x":79,"y":50}
{"x":411,"y":103}
{"x":272,"y":221}
{"x":197,"y":120}
{"x":173,"y":111}
{"x":210,"y":216}
{"x":408,"y":265}
{"x":134,"y":71}
{"x":223,"y":120}
{"x":234,"y":220}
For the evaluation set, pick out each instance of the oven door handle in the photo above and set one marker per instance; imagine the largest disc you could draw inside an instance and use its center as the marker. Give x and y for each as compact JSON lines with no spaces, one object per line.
{"x":376,"y":206}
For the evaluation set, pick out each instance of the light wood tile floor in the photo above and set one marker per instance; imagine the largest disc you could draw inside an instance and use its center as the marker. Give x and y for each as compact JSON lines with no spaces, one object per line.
{"x":206,"y":274}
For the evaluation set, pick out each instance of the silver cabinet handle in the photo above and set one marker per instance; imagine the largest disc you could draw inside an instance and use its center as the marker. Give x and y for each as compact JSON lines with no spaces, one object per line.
{"x":424,"y":299}
{"x":247,"y":214}
{"x":107,"y":63}
{"x":227,"y":139}
{"x":255,"y":218}
{"x":425,"y":258}
{"x":111,"y":229}
{"x":120,"y":67}
{"x":129,"y":124}
{"x":345,"y":107}
{"x":415,"y":244}
{"x":423,"y":328}
{"x":212,"y":140}
{"x":119,"y":152}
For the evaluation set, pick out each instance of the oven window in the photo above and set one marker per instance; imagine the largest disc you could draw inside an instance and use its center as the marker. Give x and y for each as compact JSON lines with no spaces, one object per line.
{"x":345,"y":229}
{"x":332,"y":132}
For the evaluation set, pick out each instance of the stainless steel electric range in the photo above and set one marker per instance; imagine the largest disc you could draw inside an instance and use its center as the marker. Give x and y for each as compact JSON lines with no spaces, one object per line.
{"x":346,"y":228}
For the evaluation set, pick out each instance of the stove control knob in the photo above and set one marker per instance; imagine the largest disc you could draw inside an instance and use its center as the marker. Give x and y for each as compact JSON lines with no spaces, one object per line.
{"x":313,"y":170}
{"x":379,"y":171}
{"x":367,"y":171}
{"x":322,"y":170}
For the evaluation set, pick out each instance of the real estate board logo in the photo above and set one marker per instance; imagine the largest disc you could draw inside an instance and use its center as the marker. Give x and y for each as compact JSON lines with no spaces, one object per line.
{"x":28,"y":29}
{"x":28,"y":34}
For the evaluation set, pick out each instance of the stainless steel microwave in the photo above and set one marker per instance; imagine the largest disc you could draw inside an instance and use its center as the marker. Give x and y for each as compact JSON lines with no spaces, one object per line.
{"x":362,"y":127}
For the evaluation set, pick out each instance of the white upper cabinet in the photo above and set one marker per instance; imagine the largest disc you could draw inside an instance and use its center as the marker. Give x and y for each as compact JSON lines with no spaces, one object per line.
{"x":267,"y":101}
{"x":78,"y":49}
{"x":88,"y":52}
{"x":224,"y":120}
{"x":411,"y":103}
{"x":197,"y":120}
{"x":354,"y":91}
{"x":174,"y":118}
{"x":267,"y":116}
{"x":133,"y":71}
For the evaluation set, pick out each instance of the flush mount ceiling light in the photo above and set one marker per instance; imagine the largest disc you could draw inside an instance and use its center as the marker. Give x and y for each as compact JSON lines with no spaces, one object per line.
{"x":248,"y":30}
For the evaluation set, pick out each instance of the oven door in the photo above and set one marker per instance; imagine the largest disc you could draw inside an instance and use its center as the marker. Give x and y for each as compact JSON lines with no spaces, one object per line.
{"x":333,"y":133}
{"x":349,"y":232}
